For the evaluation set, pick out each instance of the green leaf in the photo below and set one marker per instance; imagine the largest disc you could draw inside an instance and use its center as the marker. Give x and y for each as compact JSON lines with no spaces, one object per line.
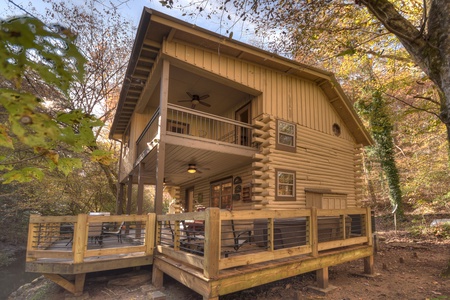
{"x":102,"y":156}
{"x":67,"y":165}
{"x":5,"y":138}
{"x":23,"y":175}
{"x":28,"y":43}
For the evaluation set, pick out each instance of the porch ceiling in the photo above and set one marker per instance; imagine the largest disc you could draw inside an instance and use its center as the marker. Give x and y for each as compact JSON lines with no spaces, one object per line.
{"x":209,"y":163}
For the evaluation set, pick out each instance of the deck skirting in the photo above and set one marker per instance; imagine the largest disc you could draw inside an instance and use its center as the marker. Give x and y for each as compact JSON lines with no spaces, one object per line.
{"x":245,"y":277}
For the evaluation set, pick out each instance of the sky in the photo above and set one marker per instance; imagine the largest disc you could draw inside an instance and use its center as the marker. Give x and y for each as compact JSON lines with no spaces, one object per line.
{"x":131,"y":10}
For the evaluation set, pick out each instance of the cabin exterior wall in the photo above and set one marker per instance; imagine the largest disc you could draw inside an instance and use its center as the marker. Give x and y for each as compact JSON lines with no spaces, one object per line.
{"x":322,"y":160}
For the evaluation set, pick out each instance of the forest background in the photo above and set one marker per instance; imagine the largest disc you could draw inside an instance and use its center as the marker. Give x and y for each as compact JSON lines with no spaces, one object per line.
{"x":408,"y":167}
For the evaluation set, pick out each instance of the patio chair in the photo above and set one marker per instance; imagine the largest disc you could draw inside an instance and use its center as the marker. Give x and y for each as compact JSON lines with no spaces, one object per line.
{"x":95,"y":231}
{"x":240,"y":237}
{"x":117,"y":232}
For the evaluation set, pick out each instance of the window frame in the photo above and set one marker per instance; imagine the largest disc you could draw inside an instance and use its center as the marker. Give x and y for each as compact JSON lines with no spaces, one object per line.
{"x":180,"y":127}
{"x":221,"y":182}
{"x":285,"y":147}
{"x":277,"y":186}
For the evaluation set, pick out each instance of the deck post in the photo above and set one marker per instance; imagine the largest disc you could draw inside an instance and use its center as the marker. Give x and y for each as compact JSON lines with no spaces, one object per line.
{"x":80,"y":238}
{"x":119,"y":202}
{"x":322,"y":278}
{"x":368,"y":261}
{"x":368,"y":220}
{"x":140,"y":198}
{"x":157,"y":277}
{"x":314,"y":232}
{"x":32,"y":237}
{"x":79,"y":284}
{"x":212,"y":242}
{"x":150,"y":234}
{"x":368,"y":265}
{"x":129,"y":199}
{"x":161,"y":146}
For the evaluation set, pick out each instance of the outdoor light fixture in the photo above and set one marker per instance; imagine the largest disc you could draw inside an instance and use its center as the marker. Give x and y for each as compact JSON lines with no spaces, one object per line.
{"x":192,"y":168}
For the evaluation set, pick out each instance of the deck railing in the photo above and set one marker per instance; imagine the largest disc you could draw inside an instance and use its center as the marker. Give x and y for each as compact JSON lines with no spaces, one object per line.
{"x":76,"y":238}
{"x":198,"y":125}
{"x":235,"y":238}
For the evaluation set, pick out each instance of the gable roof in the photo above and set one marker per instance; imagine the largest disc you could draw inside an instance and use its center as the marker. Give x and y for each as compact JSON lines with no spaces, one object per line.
{"x":155,"y":26}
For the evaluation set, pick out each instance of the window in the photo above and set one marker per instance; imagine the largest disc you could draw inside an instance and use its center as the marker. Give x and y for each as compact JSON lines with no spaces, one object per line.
{"x":285,"y":185}
{"x":286,"y":136}
{"x":336,"y":129}
{"x":177,"y":127}
{"x":221,"y":193}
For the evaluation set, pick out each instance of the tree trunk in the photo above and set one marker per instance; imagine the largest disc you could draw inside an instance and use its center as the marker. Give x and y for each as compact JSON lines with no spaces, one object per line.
{"x":429,"y":45}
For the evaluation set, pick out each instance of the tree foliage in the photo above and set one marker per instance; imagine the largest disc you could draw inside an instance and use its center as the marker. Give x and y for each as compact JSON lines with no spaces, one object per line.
{"x":381,"y":128}
{"x":343,"y":28}
{"x":31,"y":54}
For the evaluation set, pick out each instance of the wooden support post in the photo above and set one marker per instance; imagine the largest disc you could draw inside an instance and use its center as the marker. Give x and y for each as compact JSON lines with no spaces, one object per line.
{"x":150,"y":234}
{"x":140,"y":193}
{"x":368,"y":261}
{"x":343,"y":224}
{"x":369,"y":226}
{"x":322,"y":278}
{"x":212,"y":242}
{"x":79,"y":284}
{"x":140,"y":198}
{"x":368,"y":265}
{"x":314,"y":232}
{"x":129,"y":194}
{"x":157,"y":277}
{"x":80,"y":238}
{"x":161,"y":147}
{"x":32,"y":237}
{"x":119,"y":202}
{"x":129,"y":199}
{"x":271,"y":234}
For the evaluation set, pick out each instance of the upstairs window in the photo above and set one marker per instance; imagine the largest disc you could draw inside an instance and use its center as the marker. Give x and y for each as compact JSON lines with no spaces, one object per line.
{"x":286,"y":133}
{"x":285,"y":185}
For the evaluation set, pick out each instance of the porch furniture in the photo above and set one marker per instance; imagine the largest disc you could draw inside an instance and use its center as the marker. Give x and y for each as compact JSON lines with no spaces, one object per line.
{"x":240,"y":237}
{"x":117,"y":232}
{"x":95,"y":233}
{"x":195,"y":235}
{"x":66,"y":231}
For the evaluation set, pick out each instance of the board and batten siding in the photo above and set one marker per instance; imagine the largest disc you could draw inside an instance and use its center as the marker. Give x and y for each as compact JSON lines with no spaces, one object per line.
{"x":137,"y":125}
{"x":203,"y":187}
{"x":283,"y":95}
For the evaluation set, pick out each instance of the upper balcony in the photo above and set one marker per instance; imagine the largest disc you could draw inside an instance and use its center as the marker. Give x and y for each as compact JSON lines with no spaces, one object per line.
{"x":193,"y":136}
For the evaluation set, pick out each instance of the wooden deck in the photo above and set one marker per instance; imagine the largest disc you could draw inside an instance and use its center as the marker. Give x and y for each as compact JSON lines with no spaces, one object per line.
{"x":281,"y":244}
{"x":75,"y":245}
{"x":214,"y":252}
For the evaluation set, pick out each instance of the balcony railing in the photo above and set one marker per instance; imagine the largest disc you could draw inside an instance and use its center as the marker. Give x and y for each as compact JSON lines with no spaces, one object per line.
{"x":187,"y":122}
{"x":78,"y":238}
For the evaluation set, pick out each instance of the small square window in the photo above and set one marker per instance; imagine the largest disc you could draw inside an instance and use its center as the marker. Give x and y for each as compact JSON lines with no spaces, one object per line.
{"x":286,"y":136}
{"x":285,"y":185}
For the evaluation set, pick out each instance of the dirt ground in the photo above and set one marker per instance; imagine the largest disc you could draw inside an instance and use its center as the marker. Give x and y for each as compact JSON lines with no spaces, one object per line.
{"x":406,"y":269}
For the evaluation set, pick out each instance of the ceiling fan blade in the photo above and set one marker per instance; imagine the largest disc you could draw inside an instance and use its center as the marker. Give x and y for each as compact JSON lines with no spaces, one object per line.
{"x":190,"y":95}
{"x":203,"y":97}
{"x":204,"y":103}
{"x":184,"y":100}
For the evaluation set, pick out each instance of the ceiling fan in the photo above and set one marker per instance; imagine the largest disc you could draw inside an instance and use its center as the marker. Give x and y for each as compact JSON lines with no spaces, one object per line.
{"x":196,"y":99}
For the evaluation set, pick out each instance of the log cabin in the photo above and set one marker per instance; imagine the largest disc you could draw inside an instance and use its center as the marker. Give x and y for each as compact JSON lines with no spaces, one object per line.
{"x":260,"y":154}
{"x":225,"y":125}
